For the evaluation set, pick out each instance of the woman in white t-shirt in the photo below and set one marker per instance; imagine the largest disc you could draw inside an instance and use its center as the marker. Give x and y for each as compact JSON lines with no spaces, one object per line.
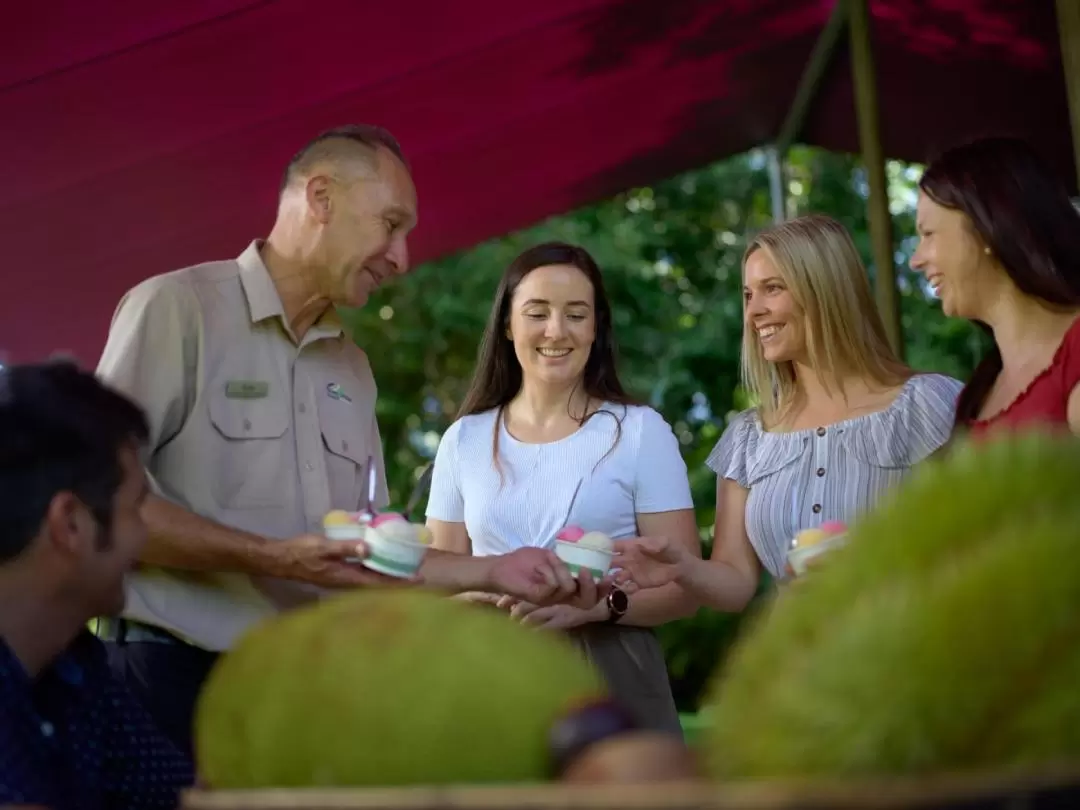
{"x":547,"y":438}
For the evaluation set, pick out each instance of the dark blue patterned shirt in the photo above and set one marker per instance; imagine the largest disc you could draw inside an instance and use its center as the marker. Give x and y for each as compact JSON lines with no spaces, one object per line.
{"x":76,"y":739}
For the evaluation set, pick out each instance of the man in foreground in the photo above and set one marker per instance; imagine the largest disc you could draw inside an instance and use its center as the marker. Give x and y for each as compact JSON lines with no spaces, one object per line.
{"x":71,"y":489}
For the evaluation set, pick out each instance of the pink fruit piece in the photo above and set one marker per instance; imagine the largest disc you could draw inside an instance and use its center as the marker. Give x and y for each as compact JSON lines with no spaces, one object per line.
{"x":385,"y":517}
{"x":570,"y":534}
{"x":833,"y":527}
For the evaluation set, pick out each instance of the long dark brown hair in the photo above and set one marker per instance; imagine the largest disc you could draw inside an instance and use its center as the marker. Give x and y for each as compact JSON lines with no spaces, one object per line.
{"x":1021,"y":210}
{"x":497,"y":379}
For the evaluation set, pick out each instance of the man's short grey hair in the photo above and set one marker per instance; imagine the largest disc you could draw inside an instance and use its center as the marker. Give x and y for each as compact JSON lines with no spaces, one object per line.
{"x":328,"y":146}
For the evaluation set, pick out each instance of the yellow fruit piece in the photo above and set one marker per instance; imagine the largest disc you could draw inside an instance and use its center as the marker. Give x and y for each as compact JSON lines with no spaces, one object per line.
{"x":337,"y":517}
{"x":809,"y":537}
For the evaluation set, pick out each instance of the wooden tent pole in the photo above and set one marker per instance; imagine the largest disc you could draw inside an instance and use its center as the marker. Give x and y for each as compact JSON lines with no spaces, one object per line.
{"x":777,"y":186}
{"x":1068,"y":18}
{"x":866,"y":110}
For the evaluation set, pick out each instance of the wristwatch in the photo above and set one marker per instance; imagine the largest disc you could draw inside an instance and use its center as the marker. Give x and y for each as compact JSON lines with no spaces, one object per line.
{"x":617,"y":604}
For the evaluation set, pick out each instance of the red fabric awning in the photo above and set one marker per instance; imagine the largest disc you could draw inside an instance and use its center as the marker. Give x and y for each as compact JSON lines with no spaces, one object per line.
{"x":140,"y":137}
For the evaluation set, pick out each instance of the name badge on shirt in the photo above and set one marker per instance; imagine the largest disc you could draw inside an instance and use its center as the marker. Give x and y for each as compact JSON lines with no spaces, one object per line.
{"x":246,"y":389}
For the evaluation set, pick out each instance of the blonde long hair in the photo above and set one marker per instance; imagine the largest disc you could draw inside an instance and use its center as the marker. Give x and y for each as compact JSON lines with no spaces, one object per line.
{"x":845,"y":335}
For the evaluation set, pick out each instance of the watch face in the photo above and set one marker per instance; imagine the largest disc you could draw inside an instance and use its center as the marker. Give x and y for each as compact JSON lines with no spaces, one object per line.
{"x":619,"y":601}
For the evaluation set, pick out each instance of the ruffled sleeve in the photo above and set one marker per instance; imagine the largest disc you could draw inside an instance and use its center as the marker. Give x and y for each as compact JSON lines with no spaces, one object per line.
{"x":728,"y":458}
{"x":917,"y":424}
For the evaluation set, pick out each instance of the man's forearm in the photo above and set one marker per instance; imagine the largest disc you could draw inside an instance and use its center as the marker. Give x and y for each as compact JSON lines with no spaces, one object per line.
{"x":179,"y":538}
{"x":447,"y":571}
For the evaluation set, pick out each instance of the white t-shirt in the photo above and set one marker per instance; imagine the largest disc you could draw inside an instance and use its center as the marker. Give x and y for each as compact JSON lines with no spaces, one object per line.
{"x":568,"y":482}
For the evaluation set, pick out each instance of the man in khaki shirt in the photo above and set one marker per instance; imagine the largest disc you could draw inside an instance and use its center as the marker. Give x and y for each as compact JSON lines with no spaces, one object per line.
{"x":262,"y":419}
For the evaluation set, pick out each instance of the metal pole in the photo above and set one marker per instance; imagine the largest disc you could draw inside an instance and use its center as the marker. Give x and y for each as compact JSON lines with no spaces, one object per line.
{"x":812,"y":76}
{"x":777,"y":193}
{"x":809,"y":83}
{"x":1068,"y":18}
{"x":866,"y":110}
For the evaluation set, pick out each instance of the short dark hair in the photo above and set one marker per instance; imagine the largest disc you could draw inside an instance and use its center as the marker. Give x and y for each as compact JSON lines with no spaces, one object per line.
{"x":61,"y":430}
{"x":368,"y":136}
{"x":1020,"y":208}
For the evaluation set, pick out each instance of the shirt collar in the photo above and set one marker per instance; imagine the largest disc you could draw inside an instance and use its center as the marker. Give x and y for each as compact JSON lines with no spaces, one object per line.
{"x":264,"y":302}
{"x":67,"y":666}
{"x":262,"y":297}
{"x":12,"y":670}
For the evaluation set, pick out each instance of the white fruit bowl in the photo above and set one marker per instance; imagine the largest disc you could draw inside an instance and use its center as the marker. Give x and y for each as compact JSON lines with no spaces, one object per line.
{"x":577,"y":557}
{"x":354,"y":531}
{"x":392,"y":556}
{"x":395,"y":558}
{"x":803,"y":559}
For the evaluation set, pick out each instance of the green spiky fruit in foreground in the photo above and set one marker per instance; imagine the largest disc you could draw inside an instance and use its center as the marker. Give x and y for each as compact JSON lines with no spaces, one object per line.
{"x":392,"y":687}
{"x":945,"y":637}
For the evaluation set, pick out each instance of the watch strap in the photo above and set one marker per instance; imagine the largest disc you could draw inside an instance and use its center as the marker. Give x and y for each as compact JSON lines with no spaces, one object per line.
{"x":614,"y":614}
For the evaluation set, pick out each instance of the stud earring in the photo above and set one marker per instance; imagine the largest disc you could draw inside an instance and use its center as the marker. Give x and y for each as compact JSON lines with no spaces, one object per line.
{"x":986,"y":250}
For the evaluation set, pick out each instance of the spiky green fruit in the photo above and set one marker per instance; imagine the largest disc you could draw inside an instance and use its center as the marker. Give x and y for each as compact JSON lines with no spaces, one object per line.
{"x":393,"y":687}
{"x":945,"y":636}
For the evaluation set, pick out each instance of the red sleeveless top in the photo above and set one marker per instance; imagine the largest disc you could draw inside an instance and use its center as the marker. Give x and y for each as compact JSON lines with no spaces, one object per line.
{"x":1045,"y":401}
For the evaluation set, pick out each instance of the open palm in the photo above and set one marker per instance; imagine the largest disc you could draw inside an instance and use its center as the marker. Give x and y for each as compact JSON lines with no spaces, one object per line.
{"x":649,"y":562}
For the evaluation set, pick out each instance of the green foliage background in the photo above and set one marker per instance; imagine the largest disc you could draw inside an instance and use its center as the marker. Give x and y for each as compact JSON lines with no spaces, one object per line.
{"x":671,"y":256}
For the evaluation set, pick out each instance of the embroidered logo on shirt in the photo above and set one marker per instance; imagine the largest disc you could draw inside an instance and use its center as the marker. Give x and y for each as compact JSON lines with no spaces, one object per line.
{"x":337,"y":392}
{"x":246,"y":389}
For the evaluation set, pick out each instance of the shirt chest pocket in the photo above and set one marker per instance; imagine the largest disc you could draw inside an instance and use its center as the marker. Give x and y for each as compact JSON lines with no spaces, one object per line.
{"x":253,"y":454}
{"x":347,"y":453}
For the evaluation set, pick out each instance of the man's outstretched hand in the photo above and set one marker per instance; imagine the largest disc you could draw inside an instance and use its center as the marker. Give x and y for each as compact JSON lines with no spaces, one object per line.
{"x":314,"y":559}
{"x":539,"y":577}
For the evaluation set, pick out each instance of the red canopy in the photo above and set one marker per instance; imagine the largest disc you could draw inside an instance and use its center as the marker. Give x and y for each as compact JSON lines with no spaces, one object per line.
{"x":140,"y":137}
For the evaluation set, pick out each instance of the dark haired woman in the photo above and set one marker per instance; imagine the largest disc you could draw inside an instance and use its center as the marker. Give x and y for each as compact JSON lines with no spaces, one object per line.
{"x":999,"y":240}
{"x":546,"y":438}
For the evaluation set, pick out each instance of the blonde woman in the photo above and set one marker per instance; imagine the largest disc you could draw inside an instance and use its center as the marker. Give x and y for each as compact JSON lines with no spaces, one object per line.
{"x":840,"y":419}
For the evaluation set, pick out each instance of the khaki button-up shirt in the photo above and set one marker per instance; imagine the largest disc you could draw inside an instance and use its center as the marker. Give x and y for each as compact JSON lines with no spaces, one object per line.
{"x":248,"y":427}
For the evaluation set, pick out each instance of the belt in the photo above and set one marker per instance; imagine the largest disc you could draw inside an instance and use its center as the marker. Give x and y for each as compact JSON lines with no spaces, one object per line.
{"x":123,"y":631}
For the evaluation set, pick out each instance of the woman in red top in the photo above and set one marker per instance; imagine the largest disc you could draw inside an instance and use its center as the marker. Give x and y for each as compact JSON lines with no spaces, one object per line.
{"x":999,"y":240}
